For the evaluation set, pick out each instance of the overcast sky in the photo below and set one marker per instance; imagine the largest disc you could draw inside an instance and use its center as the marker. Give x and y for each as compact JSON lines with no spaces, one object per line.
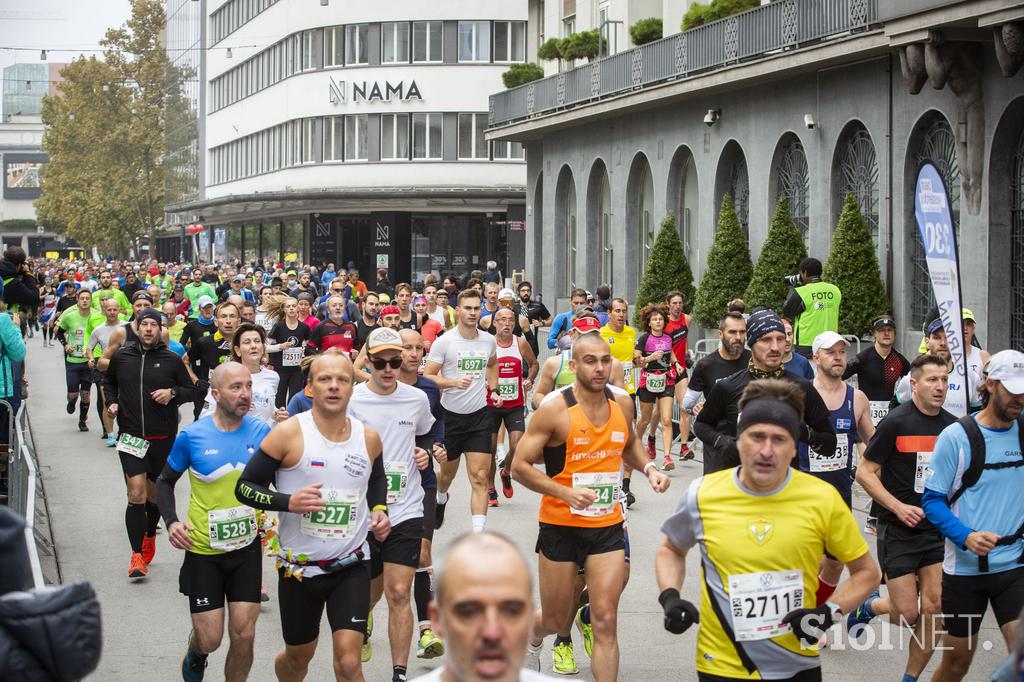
{"x":56,"y":25}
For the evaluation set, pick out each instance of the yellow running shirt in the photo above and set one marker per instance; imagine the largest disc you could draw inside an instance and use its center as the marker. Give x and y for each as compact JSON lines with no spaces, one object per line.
{"x":622,"y":344}
{"x":759,"y":560}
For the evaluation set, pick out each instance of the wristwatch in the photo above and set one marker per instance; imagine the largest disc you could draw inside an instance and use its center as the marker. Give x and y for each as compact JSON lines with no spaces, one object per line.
{"x":836,"y":612}
{"x":174,"y":392}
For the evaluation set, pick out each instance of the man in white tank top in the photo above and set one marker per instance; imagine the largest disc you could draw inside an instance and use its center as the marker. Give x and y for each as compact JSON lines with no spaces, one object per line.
{"x":401,"y":414}
{"x":331,"y":490}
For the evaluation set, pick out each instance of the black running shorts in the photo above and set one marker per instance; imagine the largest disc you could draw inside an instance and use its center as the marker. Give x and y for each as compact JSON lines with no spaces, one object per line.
{"x":965,"y":598}
{"x":152,"y":463}
{"x":345,"y":594}
{"x":570,"y":543}
{"x":402,"y":546}
{"x":514,"y":419}
{"x":902,"y":551}
{"x":467,"y":432}
{"x":210,"y":579}
{"x":78,"y":376}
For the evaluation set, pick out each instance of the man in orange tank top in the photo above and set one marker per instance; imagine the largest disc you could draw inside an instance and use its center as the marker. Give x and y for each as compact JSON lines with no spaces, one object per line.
{"x":582,"y":439}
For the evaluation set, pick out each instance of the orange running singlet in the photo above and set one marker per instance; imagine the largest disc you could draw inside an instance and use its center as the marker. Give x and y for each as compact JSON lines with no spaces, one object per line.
{"x":591,"y":457}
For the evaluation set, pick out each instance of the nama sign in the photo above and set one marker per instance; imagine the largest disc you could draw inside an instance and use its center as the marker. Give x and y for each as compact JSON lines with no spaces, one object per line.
{"x":372,"y":91}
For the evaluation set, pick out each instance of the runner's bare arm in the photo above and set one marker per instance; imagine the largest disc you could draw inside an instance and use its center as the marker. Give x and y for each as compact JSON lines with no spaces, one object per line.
{"x":116,"y":341}
{"x":864,"y":579}
{"x":359,"y":374}
{"x":618,"y":375}
{"x":433,"y":370}
{"x":546,"y":381}
{"x":377,"y":489}
{"x":862,"y":412}
{"x":670,"y":566}
{"x":543,"y":429}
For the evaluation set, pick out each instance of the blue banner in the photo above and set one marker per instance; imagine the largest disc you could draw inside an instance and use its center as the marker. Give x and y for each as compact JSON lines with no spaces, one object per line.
{"x":938,"y":237}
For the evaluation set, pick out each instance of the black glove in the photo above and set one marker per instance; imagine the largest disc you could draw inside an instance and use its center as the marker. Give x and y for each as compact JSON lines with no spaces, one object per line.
{"x":810,"y":624}
{"x":679,"y":613}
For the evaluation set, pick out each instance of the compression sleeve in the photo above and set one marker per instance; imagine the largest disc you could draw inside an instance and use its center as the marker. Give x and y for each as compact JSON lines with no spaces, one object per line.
{"x":165,"y":494}
{"x":690,"y":399}
{"x":253,"y":485}
{"x":936,"y":508}
{"x":426,"y":441}
{"x":377,"y":490}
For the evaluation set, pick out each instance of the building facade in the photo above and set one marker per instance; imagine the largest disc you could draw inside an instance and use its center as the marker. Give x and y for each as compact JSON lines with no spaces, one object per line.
{"x":338,"y":133}
{"x":810,"y":99}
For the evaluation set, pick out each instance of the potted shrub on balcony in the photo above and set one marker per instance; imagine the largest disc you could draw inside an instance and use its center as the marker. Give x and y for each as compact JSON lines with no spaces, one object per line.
{"x":582,"y":45}
{"x":646,"y":31}
{"x":703,"y":13}
{"x":519,"y":74}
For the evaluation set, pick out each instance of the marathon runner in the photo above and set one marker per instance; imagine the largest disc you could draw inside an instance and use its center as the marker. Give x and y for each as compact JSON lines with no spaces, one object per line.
{"x":678,"y":327}
{"x":219,"y":537}
{"x":584,"y":440}
{"x":410,"y":319}
{"x":197,"y":289}
{"x":248,"y":347}
{"x":556,"y":373}
{"x":910,"y":548}
{"x":655,"y":355}
{"x":334,"y":332}
{"x":107,"y":290}
{"x":535,"y":311}
{"x":286,"y":345}
{"x":794,"y":362}
{"x":958,"y":402}
{"x":98,"y":340}
{"x":762,"y":528}
{"x":144,"y":384}
{"x":730,"y":357}
{"x":464,"y":364}
{"x":621,"y":338}
{"x":331,"y":489}
{"x":428,"y":645}
{"x":973,"y":496}
{"x":73,"y":330}
{"x":401,"y":415}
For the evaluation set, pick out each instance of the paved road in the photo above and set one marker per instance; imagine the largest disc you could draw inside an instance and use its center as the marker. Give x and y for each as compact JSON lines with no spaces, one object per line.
{"x":146,"y":623}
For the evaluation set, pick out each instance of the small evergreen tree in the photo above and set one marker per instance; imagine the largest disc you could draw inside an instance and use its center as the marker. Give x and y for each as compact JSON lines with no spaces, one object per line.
{"x":667,"y":270}
{"x":581,"y":45}
{"x":645,"y":31}
{"x":780,"y":256}
{"x":728,"y":268}
{"x":520,"y":74}
{"x":549,"y":50}
{"x":852,"y":266}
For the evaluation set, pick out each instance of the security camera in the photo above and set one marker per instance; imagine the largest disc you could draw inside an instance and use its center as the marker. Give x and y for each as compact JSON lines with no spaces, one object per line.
{"x":809,"y":122}
{"x":711,"y":118}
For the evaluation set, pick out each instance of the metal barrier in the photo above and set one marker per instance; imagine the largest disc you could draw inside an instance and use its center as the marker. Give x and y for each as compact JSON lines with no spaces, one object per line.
{"x":22,"y":479}
{"x":776,"y":26}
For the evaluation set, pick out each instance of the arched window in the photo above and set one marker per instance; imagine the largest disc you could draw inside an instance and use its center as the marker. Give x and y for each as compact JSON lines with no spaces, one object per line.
{"x":640,"y":223}
{"x":647,"y":227}
{"x":565,"y":227}
{"x":1017,"y":241}
{"x":683,"y":197}
{"x":599,"y":223}
{"x":858,"y":175}
{"x":937,"y":144}
{"x":731,"y":179}
{"x":794,"y":183}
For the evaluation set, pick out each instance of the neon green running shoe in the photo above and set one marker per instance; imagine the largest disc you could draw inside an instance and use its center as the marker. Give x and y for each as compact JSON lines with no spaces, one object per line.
{"x":430,"y":645}
{"x":587,"y":631}
{"x":564,"y":661}
{"x":366,"y":652}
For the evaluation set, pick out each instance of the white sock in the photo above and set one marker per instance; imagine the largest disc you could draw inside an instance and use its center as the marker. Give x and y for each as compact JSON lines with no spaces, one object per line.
{"x":442,"y":497}
{"x":479,"y":521}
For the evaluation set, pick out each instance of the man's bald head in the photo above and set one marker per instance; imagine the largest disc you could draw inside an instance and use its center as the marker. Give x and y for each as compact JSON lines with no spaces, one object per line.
{"x":589,"y":342}
{"x":464,"y":560}
{"x":223,"y":374}
{"x":409,"y":336}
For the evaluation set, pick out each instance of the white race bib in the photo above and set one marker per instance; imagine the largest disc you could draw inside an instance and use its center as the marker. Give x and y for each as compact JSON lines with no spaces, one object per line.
{"x":656,"y":383}
{"x":232,"y":528}
{"x":605,"y":484}
{"x":631,"y":375}
{"x":291,"y":357}
{"x":922,"y":471}
{"x":839,"y":458}
{"x":337,"y":520}
{"x":398,"y":480}
{"x":471,"y":364}
{"x":132,"y":445}
{"x":508,"y":388}
{"x":759,"y":601}
{"x":879,"y":408}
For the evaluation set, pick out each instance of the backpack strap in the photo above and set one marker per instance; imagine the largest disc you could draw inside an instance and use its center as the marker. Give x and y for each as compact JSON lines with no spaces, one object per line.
{"x":976,"y":446}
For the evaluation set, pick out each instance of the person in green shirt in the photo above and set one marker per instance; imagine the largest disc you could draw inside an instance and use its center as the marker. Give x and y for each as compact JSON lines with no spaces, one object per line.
{"x":107,"y":290}
{"x":197,"y":288}
{"x":162,"y":279}
{"x":813,"y":306}
{"x":73,"y":332}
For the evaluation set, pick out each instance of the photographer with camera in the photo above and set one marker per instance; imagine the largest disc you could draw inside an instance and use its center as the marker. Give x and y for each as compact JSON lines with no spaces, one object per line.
{"x":812,"y":304}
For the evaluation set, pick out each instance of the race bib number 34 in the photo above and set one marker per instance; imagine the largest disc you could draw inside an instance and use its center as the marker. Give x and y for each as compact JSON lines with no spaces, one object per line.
{"x":605,"y":484}
{"x":759,"y":601}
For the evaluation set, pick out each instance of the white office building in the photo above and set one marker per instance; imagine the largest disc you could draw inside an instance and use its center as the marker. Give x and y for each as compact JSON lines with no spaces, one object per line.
{"x":344,"y":132}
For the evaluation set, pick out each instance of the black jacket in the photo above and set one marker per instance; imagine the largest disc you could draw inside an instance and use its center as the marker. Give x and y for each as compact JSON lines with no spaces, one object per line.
{"x":716,"y":423}
{"x":20,"y":288}
{"x":48,"y":634}
{"x":133,"y":374}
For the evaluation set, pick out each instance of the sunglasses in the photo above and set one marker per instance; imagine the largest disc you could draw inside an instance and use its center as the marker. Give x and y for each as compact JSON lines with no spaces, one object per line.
{"x":393,"y":363}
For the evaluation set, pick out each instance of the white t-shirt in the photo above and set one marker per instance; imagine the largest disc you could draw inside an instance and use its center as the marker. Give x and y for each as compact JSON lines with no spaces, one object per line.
{"x":398,"y":417}
{"x":459,"y":356}
{"x":264,"y":393}
{"x":524,"y":676}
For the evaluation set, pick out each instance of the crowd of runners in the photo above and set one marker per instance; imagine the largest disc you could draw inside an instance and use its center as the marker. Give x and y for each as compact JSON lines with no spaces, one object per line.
{"x":326,"y":419}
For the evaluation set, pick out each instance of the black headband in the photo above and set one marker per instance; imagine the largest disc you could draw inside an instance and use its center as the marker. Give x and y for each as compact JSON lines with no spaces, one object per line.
{"x":769,"y":411}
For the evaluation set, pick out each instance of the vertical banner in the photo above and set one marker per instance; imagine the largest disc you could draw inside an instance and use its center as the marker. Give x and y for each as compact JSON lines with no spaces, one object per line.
{"x":938,"y":237}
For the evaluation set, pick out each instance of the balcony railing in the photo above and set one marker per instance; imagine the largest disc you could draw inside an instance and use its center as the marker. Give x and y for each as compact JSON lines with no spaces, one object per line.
{"x":780,"y":25}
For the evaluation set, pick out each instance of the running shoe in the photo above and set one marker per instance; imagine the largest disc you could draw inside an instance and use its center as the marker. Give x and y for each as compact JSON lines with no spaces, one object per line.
{"x":860,"y":617}
{"x":651,"y":451}
{"x":492,"y":497}
{"x":137,"y":568}
{"x":430,"y":645}
{"x":532,"y":661}
{"x":871,"y":526}
{"x":148,"y":548}
{"x":366,"y":652}
{"x":563,"y":661}
{"x":685,"y":453}
{"x":82,"y":426}
{"x":667,"y":464}
{"x":192,"y":669}
{"x":630,"y":499}
{"x":111,"y":440}
{"x":439,"y":513}
{"x":71,"y":406}
{"x":586,"y":630}
{"x":506,"y":483}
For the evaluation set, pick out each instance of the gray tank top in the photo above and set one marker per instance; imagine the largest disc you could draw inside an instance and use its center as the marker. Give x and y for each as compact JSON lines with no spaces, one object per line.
{"x":344,"y":471}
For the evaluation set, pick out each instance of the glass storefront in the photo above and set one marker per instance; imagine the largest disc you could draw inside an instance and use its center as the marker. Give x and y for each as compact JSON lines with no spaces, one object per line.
{"x":292,"y":240}
{"x":251,"y":242}
{"x":459,"y":244}
{"x":271,"y":247}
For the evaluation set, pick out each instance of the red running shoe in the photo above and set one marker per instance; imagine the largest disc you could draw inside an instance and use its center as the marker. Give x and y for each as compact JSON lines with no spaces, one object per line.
{"x":148,"y":548}
{"x":651,"y":452}
{"x":506,"y":482}
{"x":137,"y":568}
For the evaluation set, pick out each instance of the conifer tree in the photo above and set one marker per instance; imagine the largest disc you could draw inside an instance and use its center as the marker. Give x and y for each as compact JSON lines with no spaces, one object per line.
{"x":728,"y":268}
{"x":780,"y":256}
{"x":667,"y":269}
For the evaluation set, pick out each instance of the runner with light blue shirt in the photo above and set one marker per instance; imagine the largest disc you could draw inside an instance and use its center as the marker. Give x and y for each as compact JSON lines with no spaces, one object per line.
{"x":977,"y":505}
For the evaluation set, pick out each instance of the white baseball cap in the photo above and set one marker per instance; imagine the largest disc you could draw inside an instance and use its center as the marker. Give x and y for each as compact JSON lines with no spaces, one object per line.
{"x":827,"y":340}
{"x":383,"y":338}
{"x":1007,"y":367}
{"x":506,"y":294}
{"x":204,"y":301}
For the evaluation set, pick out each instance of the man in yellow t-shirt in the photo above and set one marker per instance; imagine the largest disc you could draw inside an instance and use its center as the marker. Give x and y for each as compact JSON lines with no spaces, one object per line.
{"x":621,"y":339}
{"x":762,"y":528}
